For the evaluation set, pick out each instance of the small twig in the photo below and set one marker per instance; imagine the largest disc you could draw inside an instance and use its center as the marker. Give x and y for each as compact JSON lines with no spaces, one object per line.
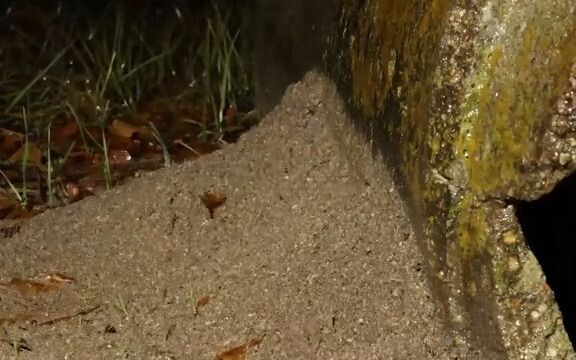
{"x":68,"y":317}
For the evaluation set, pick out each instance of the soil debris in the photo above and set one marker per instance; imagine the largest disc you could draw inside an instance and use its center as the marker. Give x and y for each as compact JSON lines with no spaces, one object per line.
{"x":213,"y":199}
{"x":239,"y":352}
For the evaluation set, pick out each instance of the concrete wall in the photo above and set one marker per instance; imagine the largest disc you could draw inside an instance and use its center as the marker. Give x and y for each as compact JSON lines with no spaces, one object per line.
{"x":473,"y":105}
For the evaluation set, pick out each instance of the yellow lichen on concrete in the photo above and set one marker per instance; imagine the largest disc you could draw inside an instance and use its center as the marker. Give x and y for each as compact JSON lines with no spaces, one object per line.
{"x":390,"y":54}
{"x":382,"y":29}
{"x":472,"y":227}
{"x":520,"y":73}
{"x":460,"y":95}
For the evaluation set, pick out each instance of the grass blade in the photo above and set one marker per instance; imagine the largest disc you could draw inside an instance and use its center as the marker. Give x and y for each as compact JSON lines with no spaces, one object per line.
{"x":42,"y":73}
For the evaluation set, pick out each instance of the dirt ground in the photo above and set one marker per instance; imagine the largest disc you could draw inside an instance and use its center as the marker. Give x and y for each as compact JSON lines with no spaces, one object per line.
{"x":303,"y":261}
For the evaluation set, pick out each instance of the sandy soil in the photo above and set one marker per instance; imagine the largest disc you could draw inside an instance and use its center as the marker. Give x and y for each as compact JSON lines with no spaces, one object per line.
{"x":302,"y":256}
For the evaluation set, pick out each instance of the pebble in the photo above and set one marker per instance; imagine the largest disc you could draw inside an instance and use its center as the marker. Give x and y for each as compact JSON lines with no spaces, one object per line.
{"x":564,"y":158}
{"x":510,"y":238}
{"x":513,"y":264}
{"x":542,"y":308}
{"x":551,"y":352}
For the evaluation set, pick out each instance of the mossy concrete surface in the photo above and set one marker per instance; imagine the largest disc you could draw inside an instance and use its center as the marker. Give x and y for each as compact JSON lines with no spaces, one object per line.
{"x":472,"y":103}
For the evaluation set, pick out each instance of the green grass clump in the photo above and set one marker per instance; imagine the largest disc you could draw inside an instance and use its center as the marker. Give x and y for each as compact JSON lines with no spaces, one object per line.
{"x":63,"y":60}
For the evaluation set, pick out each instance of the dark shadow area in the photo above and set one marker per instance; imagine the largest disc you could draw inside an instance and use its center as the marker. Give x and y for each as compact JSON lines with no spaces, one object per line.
{"x":289,"y":40}
{"x":549,"y":226}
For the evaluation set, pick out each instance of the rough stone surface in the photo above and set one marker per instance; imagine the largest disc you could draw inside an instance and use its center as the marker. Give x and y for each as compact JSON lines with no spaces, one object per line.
{"x":471,"y":102}
{"x":308,"y":252}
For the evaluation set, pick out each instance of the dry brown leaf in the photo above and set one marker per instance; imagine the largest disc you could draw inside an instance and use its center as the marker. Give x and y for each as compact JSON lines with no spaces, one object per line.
{"x":10,"y":142}
{"x":7,"y":201}
{"x":119,"y":157}
{"x":77,"y":164}
{"x":29,"y":287}
{"x":239,"y":352}
{"x":63,"y":135}
{"x":18,"y":213}
{"x":230,"y":114}
{"x":35,"y":156}
{"x":213,"y":199}
{"x":127,"y":130}
{"x":203,"y":301}
{"x":133,"y":146}
{"x":67,"y":129}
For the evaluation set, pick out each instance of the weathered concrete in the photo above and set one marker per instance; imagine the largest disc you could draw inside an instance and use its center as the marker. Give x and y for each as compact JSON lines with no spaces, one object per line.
{"x":473,"y":104}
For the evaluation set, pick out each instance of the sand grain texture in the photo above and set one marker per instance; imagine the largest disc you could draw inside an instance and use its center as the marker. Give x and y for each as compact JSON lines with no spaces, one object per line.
{"x":303,"y":253}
